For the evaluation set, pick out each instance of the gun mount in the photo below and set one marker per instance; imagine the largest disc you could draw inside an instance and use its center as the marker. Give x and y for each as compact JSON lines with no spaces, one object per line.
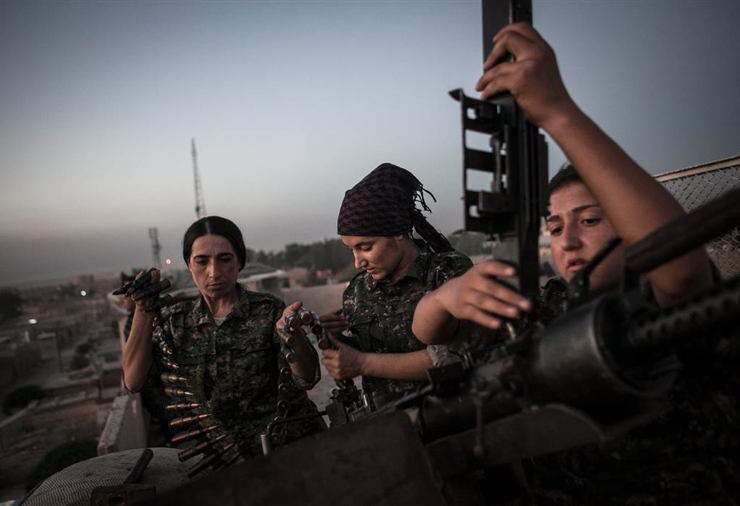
{"x":516,"y":163}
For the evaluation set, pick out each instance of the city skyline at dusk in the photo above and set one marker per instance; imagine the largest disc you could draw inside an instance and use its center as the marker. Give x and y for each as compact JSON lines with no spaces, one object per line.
{"x":291,"y":103}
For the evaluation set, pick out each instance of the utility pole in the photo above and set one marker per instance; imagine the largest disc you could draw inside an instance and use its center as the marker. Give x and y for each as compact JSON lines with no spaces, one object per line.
{"x":156,"y":247}
{"x":200,"y":205}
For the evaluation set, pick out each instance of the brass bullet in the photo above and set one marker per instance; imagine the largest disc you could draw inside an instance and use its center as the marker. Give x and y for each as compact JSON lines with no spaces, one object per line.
{"x":182,"y":406}
{"x":187,"y":420}
{"x":199,"y":448}
{"x":186,"y":436}
{"x":172,"y":378}
{"x":177,"y":392}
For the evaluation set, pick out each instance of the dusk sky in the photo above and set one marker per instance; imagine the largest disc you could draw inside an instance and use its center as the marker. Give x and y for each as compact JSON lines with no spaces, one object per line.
{"x":293,"y":102}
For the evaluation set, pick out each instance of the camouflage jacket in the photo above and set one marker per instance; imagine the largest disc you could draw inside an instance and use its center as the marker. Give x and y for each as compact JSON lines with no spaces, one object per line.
{"x":689,"y":454}
{"x":232,"y":369}
{"x":380,"y":313}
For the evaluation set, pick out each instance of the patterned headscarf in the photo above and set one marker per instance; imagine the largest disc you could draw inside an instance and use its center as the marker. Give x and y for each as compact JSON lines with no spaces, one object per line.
{"x":384,"y":204}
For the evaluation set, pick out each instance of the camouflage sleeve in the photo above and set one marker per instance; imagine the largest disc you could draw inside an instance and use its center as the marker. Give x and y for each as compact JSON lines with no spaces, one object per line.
{"x":349,"y":307}
{"x":468,"y":335}
{"x":451,"y":265}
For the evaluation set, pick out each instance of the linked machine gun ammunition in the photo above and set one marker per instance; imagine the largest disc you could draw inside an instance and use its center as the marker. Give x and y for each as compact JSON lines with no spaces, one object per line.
{"x":347,"y":403}
{"x":208,"y":438}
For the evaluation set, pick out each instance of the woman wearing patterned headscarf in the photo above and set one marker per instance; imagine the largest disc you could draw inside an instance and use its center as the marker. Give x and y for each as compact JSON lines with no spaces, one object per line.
{"x":376,"y":221}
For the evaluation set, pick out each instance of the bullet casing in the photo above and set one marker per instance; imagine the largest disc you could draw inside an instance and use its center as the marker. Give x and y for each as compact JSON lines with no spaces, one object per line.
{"x":166,"y":348}
{"x":186,"y":436}
{"x":305,"y":316}
{"x":187,"y":420}
{"x":182,"y":406}
{"x":172,"y":378}
{"x":208,"y":460}
{"x":199,"y":448}
{"x":177,"y":392}
{"x":170,"y":364}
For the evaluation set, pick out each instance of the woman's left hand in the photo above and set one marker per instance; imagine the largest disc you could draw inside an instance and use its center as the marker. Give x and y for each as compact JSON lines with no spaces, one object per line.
{"x":288,"y":311}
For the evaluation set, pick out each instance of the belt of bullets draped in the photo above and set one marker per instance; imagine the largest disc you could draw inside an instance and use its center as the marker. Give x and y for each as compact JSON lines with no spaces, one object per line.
{"x":197,"y":425}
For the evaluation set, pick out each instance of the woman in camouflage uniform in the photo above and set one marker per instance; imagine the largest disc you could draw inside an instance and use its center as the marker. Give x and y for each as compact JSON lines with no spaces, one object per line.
{"x":224,"y":344}
{"x":375,"y":221}
{"x":689,"y":453}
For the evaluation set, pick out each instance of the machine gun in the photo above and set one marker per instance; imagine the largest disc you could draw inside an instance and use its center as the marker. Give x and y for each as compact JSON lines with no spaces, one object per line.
{"x":596,"y":372}
{"x":509,"y":210}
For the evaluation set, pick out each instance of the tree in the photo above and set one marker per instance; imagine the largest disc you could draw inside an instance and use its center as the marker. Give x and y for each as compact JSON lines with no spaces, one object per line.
{"x":10,"y":304}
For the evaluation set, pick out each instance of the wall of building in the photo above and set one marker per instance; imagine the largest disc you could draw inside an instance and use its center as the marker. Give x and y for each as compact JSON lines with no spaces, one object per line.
{"x":78,"y":418}
{"x":126,"y":426}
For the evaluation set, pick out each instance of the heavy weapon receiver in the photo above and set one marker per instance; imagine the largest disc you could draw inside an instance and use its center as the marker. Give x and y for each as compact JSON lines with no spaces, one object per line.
{"x":514,"y":163}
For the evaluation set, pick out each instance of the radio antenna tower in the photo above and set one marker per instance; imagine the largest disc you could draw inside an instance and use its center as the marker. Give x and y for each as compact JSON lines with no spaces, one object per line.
{"x":156,"y":248}
{"x":200,"y":205}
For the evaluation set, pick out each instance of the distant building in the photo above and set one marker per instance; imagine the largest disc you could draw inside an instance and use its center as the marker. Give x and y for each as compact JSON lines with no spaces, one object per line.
{"x":254,"y":276}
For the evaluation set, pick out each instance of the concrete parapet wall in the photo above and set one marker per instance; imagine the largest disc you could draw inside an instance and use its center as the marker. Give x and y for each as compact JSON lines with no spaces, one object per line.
{"x":126,"y":427}
{"x":11,"y":428}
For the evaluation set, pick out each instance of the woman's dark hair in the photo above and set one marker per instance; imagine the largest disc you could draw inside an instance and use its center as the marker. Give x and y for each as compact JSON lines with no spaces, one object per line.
{"x":565,"y":176}
{"x":215,"y":225}
{"x":436,"y":241}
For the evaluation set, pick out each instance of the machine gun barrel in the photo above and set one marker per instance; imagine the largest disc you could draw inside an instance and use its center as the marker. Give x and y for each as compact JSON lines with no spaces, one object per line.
{"x":702,"y":313}
{"x":685,"y":234}
{"x":597,"y":359}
